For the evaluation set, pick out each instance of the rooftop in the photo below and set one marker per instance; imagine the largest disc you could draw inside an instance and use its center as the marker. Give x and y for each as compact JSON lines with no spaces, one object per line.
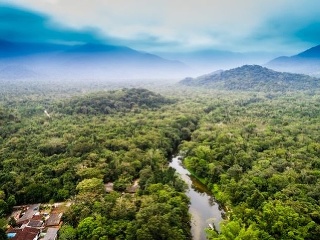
{"x":54,"y":219}
{"x":51,"y":234}
{"x":35,"y":223}
{"x":33,"y":209}
{"x":26,"y":234}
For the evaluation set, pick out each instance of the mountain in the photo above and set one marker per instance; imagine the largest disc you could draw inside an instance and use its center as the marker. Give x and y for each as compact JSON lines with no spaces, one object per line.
{"x":87,"y":61}
{"x":7,"y":48}
{"x":19,"y":49}
{"x":205,"y":60}
{"x":307,"y":62}
{"x":313,"y":52}
{"x":12,"y":72}
{"x":124,"y":100}
{"x":101,"y":52}
{"x":254,"y":78}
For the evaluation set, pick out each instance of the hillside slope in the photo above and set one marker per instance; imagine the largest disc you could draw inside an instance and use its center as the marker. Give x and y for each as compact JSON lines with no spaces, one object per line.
{"x":254,"y":78}
{"x":307,"y":62}
{"x":87,"y":61}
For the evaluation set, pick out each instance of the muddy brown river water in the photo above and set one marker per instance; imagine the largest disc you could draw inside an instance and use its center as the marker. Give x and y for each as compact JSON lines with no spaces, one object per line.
{"x":203,"y":208}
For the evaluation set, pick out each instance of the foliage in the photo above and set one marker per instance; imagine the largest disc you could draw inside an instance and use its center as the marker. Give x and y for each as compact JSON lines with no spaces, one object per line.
{"x":257,"y":152}
{"x":73,"y":153}
{"x":67,"y":232}
{"x":254,"y":78}
{"x":114,"y":101}
{"x":233,"y":230}
{"x":260,"y":158}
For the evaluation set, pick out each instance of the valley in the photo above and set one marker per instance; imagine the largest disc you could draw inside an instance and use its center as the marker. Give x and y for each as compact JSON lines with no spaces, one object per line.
{"x":162,"y":120}
{"x":254,"y":150}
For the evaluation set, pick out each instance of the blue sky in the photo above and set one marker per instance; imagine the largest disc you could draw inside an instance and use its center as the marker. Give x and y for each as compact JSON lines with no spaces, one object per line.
{"x":284,"y":26}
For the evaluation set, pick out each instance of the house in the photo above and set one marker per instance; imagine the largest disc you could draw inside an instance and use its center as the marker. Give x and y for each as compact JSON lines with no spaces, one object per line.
{"x":52,"y":234}
{"x":108,"y":187}
{"x":35,"y":223}
{"x":27,"y":233}
{"x":16,"y":214}
{"x":12,"y":232}
{"x":133,"y":188}
{"x":53,"y":220}
{"x":31,"y":211}
{"x":38,"y":217}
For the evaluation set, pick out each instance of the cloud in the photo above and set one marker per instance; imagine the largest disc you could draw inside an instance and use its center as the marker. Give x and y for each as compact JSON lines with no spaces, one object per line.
{"x":22,"y":25}
{"x":310,"y":33}
{"x":292,"y":28}
{"x":185,"y":25}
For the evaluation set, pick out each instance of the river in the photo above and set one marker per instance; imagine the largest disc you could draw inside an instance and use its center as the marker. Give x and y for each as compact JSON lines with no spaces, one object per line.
{"x":203,"y":208}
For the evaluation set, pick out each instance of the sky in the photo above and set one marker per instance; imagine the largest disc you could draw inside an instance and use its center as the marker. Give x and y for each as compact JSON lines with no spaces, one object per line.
{"x":286,"y":26}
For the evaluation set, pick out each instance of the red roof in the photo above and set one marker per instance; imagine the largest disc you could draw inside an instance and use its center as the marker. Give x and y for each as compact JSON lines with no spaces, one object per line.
{"x":13,"y":230}
{"x":32,"y":209}
{"x":54,"y":219}
{"x":35,"y":223}
{"x":26,"y":234}
{"x":37,"y":217}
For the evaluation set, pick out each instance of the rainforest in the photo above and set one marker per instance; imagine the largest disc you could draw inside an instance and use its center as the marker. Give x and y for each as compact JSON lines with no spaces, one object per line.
{"x":257,"y":152}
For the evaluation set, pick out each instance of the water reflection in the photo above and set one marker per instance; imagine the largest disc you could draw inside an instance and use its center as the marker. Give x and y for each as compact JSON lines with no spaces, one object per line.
{"x":203,"y":207}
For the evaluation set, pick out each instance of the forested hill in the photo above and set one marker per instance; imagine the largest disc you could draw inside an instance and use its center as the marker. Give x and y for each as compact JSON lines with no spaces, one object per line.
{"x":254,"y":78}
{"x":113,"y":101}
{"x":74,"y":154}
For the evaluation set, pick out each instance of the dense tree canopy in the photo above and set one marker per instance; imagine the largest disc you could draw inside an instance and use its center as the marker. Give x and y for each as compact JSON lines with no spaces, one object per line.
{"x":260,"y":158}
{"x":257,"y":152}
{"x":254,"y":78}
{"x":67,"y":153}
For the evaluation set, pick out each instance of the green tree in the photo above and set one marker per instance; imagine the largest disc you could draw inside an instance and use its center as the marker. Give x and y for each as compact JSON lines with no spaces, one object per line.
{"x":283,"y":222}
{"x":90,"y":187}
{"x":67,"y":232}
{"x":3,"y":227}
{"x":234,"y":230}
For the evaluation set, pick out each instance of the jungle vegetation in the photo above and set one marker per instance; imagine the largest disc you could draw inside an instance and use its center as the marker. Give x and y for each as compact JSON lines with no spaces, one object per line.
{"x":260,"y":157}
{"x":258,"y":152}
{"x":254,"y":78}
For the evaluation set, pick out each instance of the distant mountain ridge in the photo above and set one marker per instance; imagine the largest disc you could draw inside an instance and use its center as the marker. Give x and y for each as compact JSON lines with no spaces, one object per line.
{"x":90,"y":60}
{"x":307,"y":62}
{"x":15,"y":49}
{"x":12,"y":72}
{"x":206,"y":60}
{"x":313,"y":52}
{"x":254,"y":78}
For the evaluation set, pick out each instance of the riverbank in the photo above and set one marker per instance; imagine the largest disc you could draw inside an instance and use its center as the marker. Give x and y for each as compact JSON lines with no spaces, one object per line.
{"x":215,"y":192}
{"x":203,"y":206}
